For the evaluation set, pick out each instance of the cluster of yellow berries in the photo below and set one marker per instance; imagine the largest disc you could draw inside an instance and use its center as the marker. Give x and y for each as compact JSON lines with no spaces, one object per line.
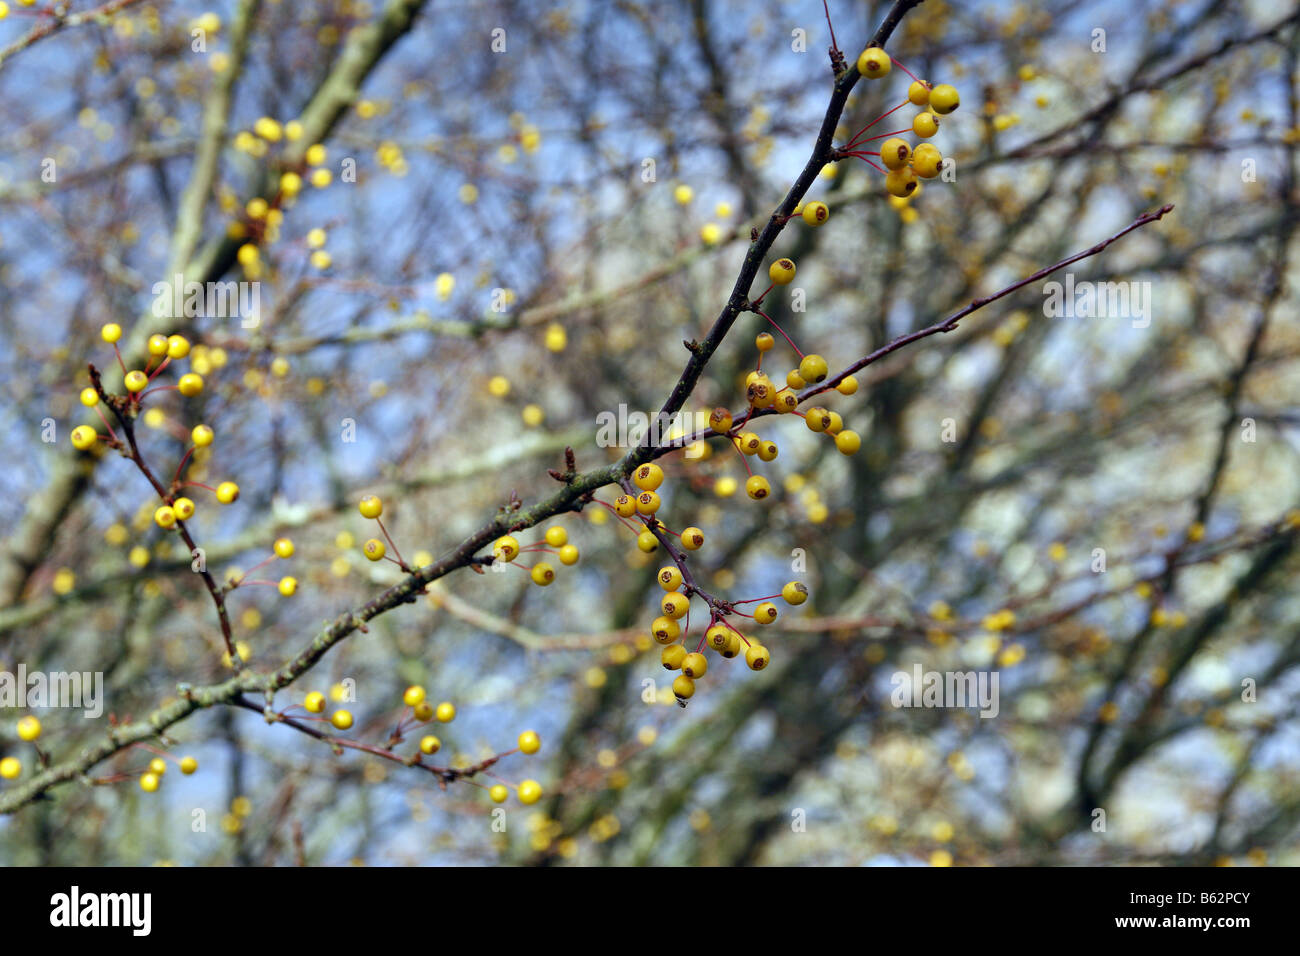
{"x":905,"y":165}
{"x":720,"y":636}
{"x":163,"y":350}
{"x":762,"y":393}
{"x":261,"y":220}
{"x":28,"y":729}
{"x":424,"y":711}
{"x":555,"y":540}
{"x":645,"y":503}
{"x":151,"y":779}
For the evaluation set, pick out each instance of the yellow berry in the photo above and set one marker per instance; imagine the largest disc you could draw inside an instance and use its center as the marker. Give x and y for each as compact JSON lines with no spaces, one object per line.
{"x":665,"y":630}
{"x":816,"y":213}
{"x":786,"y":402}
{"x":944,"y":99}
{"x":498,"y":792}
{"x":529,"y":742}
{"x":283,"y":548}
{"x":794,"y":380}
{"x":757,"y":487}
{"x":781,"y":272}
{"x":761,"y":392}
{"x":413,"y":695}
{"x":29,"y":728}
{"x":669,"y":577}
{"x":10,"y":767}
{"x":648,"y":477}
{"x":227,"y":492}
{"x":288,"y":586}
{"x":675,"y":604}
{"x":202,"y":436}
{"x":314,"y":702}
{"x":423,"y":711}
{"x":925,"y":125}
{"x":89,"y":397}
{"x":135,"y":381}
{"x":190,"y":384}
{"x":164,"y":516}
{"x":189,"y":765}
{"x":429,"y":744}
{"x":648,"y":502}
{"x":110,"y":332}
{"x":795,"y":592}
{"x":835,"y":424}
{"x":83,"y":437}
{"x":683,"y":687}
{"x":556,"y":536}
{"x":848,"y":442}
{"x":184,"y":508}
{"x":374,"y":549}
{"x":158,"y":765}
{"x":342,"y":719}
{"x":505,"y":549}
{"x":371,"y":506}
{"x":895,"y":152}
{"x":530,"y":791}
{"x":720,"y":420}
{"x":692,"y":539}
{"x":717,"y":636}
{"x":765,"y":613}
{"x":873,"y":63}
{"x":672,"y":657}
{"x":149,"y":782}
{"x":542,"y":573}
{"x":847,"y":386}
{"x":694,"y":666}
{"x":813,"y":368}
{"x":157,"y":345}
{"x":757,"y":657}
{"x":767,"y":451}
{"x":918,"y":94}
{"x":901,"y":182}
{"x":764,"y":341}
{"x":569,"y":555}
{"x":445,"y":712}
{"x":927,"y":161}
{"x":625,"y":506}
{"x":647,"y":542}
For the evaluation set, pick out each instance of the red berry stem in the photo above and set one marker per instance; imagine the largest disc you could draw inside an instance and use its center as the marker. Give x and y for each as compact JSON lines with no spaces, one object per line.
{"x":854,"y":140}
{"x":779,"y":329}
{"x":899,"y":64}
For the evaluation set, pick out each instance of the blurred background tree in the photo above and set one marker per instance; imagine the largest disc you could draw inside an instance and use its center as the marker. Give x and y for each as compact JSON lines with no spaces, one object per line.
{"x":548,"y":199}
